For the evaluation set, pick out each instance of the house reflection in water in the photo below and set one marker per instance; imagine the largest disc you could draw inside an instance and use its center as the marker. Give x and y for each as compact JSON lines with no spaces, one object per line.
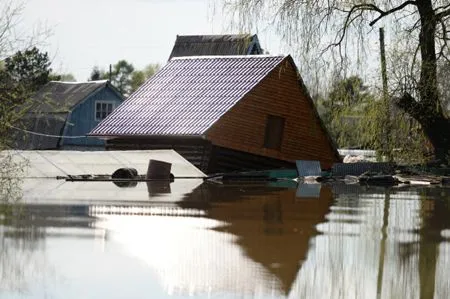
{"x":251,"y":239}
{"x":273,"y":227}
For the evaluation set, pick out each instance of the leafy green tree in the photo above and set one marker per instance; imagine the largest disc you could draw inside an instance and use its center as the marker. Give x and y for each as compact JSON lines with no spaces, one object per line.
{"x":124,"y":76}
{"x":121,"y":76}
{"x":140,"y":76}
{"x":351,"y":113}
{"x":97,"y":74}
{"x":29,"y":68}
{"x":21,"y":75}
{"x":137,"y":79}
{"x":65,"y":77}
{"x":344,"y":110}
{"x":340,"y":29}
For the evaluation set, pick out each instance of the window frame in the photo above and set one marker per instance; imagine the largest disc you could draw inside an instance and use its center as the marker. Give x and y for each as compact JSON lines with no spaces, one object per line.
{"x":107,"y":102}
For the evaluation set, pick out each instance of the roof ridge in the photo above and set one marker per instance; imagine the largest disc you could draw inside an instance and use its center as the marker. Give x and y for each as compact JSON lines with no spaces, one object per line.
{"x":80,"y":82}
{"x":230,"y":34}
{"x":281,"y":56}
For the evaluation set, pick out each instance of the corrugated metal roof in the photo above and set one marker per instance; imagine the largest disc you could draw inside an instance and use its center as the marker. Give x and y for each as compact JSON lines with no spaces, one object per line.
{"x":187,"y":96}
{"x":196,"y":45}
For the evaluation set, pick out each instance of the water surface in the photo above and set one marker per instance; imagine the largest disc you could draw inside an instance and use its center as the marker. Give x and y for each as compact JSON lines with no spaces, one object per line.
{"x":203,"y":240}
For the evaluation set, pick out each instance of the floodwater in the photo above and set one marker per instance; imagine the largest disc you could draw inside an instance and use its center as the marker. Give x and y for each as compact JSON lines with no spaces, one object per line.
{"x":210,"y":240}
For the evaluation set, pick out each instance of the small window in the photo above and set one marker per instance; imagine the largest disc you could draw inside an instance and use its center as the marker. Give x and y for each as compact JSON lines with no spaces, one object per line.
{"x":103,"y":109}
{"x":274,"y":132}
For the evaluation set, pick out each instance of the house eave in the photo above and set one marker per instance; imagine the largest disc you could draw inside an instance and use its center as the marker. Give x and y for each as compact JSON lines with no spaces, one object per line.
{"x":136,"y":136}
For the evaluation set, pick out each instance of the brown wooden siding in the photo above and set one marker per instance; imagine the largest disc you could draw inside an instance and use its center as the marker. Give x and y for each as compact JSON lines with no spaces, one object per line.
{"x":279,"y":94}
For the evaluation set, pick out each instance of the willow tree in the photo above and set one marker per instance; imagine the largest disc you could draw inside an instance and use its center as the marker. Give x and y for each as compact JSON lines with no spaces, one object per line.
{"x":341,"y":28}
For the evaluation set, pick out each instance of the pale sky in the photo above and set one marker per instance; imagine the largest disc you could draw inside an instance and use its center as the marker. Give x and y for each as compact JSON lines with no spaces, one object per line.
{"x":86,"y":33}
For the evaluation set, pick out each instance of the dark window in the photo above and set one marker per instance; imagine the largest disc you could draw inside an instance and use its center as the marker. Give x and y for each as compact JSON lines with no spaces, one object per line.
{"x":103,"y":109}
{"x":274,"y":132}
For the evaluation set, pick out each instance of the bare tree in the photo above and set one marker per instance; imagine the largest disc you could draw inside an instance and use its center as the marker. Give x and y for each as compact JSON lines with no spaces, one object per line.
{"x":340,"y":28}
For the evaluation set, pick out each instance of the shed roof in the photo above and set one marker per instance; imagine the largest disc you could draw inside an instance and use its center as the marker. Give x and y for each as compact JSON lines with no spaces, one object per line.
{"x":187,"y":96}
{"x":58,"y":96}
{"x":50,"y":164}
{"x":231,"y":44}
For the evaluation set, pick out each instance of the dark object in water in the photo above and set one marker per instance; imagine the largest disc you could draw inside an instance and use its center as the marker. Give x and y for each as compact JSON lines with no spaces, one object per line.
{"x":159,"y":170}
{"x":378,"y":180}
{"x":125,"y":173}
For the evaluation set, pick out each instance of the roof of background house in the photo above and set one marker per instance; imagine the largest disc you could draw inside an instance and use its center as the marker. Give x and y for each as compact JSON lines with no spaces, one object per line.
{"x":197,"y":45}
{"x":187,"y":96}
{"x":45,"y":124}
{"x":58,"y":96}
{"x":48,"y":110}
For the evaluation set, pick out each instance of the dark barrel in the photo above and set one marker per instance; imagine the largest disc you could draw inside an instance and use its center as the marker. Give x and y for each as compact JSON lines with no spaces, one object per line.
{"x":125,"y":173}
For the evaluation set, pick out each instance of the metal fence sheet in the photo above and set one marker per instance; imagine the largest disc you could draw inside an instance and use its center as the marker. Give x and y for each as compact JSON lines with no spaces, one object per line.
{"x":308,"y":168}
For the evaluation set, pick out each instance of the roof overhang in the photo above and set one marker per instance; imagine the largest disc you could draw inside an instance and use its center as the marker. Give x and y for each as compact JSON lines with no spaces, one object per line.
{"x":129,"y":136}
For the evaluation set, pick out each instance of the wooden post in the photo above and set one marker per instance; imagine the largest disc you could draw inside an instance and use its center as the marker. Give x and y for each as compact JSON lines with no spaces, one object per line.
{"x":387,"y":131}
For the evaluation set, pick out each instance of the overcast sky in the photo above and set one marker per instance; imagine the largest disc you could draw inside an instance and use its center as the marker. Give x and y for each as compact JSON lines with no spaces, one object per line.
{"x":99,"y":32}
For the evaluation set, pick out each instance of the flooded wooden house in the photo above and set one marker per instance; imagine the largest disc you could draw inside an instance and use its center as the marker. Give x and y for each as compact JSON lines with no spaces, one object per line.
{"x":204,"y":45}
{"x":223,"y":113}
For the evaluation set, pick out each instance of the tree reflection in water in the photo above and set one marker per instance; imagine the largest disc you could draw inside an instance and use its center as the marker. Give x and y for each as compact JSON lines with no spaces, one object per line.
{"x":380,"y":243}
{"x":20,"y":242}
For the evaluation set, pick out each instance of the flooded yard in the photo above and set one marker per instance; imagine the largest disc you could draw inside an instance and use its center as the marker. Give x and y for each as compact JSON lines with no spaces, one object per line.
{"x":210,"y":240}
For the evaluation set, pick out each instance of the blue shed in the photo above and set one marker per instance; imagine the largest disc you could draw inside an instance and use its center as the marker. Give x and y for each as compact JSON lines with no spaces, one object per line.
{"x":62,"y":113}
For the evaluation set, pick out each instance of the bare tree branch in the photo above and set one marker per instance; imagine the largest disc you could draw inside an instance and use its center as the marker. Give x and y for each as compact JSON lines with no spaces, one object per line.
{"x":391,"y":11}
{"x":442,"y":14}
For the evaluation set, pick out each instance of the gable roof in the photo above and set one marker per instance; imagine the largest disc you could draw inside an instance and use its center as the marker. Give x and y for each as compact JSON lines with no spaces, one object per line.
{"x":57,"y":97}
{"x":198,"y":45}
{"x":187,"y":96}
